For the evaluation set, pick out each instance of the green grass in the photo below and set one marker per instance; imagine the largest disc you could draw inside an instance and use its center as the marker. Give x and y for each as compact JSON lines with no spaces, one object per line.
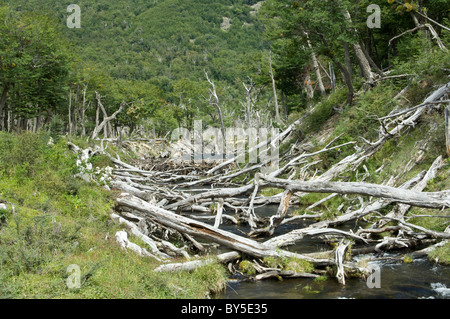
{"x":442,"y":254}
{"x":54,"y":220}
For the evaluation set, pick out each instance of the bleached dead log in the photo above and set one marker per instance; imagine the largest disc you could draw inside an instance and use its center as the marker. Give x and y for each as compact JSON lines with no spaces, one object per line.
{"x":275,"y":220}
{"x":292,"y":162}
{"x":216,"y":193}
{"x":429,"y":249}
{"x":272,"y":140}
{"x":289,"y":274}
{"x":296,"y":235}
{"x":230,"y":218}
{"x":353,"y":161}
{"x":431,"y":233}
{"x":218,"y":220}
{"x":191,"y":265}
{"x":122,"y":239}
{"x":410,"y":197}
{"x":339,"y":255}
{"x":125,"y":187}
{"x":401,"y":209}
{"x":135,"y":231}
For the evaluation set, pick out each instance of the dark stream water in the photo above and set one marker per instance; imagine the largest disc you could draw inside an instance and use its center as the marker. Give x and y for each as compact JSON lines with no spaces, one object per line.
{"x":398,"y":280}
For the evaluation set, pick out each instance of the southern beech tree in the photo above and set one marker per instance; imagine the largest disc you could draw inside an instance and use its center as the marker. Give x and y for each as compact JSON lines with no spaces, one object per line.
{"x":34,"y":63}
{"x":308,"y":29}
{"x":311,"y":38}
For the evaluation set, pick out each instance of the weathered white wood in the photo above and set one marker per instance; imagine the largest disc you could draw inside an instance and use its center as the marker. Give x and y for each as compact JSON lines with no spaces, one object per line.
{"x":218,"y":220}
{"x":295,"y":235}
{"x":125,"y":187}
{"x":273,"y":139}
{"x":122,"y":239}
{"x":191,"y":265}
{"x":206,"y":231}
{"x":401,"y":209}
{"x":410,"y":197}
{"x":216,"y":193}
{"x":106,"y":118}
{"x":284,"y":274}
{"x":135,"y":231}
{"x":275,"y":220}
{"x":339,"y":255}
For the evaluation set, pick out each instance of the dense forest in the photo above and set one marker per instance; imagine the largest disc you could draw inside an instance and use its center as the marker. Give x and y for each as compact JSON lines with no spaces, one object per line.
{"x":128,"y":51}
{"x":355,"y":92}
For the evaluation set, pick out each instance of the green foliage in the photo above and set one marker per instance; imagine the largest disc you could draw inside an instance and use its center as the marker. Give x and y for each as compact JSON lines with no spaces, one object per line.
{"x":36,"y":244}
{"x":361,"y":119}
{"x":151,"y":55}
{"x":59,"y":220}
{"x":323,"y":111}
{"x":289,"y":263}
{"x":247,"y":267}
{"x":441,"y":255}
{"x":34,"y":61}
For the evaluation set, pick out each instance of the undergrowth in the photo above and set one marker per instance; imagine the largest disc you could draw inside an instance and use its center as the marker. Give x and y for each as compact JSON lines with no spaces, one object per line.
{"x":54,"y":220}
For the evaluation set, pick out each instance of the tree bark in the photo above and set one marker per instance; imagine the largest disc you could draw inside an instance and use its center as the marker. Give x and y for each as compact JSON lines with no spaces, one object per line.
{"x":348,"y":82}
{"x":2,"y":106}
{"x":437,"y":200}
{"x":191,"y":265}
{"x":274,"y":89}
{"x":206,"y":231}
{"x":106,"y":119}
{"x":363,"y":63}
{"x":214,"y":100}
{"x":447,"y":129}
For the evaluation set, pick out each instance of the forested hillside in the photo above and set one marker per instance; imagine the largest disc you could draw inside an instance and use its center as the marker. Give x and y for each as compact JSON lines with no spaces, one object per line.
{"x":153,"y":55}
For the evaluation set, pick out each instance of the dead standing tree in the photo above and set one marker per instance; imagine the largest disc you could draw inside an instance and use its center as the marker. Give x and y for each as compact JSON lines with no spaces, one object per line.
{"x":106,"y":119}
{"x":214,"y":101}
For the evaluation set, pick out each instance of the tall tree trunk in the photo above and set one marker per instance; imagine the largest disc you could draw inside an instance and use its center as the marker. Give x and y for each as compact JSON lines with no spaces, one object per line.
{"x":308,"y":87}
{"x":214,"y":100}
{"x":363,"y":63}
{"x":447,"y":129}
{"x":348,"y":81}
{"x":316,"y":68}
{"x":83,"y":112}
{"x":274,"y":88}
{"x":70,"y":112}
{"x":332,"y":77}
{"x":348,"y":62}
{"x":248,"y":90}
{"x":2,"y":106}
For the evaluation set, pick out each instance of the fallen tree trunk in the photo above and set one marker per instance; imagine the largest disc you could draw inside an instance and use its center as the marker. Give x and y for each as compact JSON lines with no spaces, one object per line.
{"x":191,"y":265}
{"x":216,"y":193}
{"x":401,"y":209}
{"x":410,"y":197}
{"x":198,"y":229}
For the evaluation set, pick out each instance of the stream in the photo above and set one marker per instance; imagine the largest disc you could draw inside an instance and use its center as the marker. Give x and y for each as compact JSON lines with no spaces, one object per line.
{"x":418,"y":279}
{"x":397,"y":280}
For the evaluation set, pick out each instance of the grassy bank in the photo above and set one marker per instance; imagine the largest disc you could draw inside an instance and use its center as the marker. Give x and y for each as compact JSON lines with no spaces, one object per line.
{"x":54,"y":220}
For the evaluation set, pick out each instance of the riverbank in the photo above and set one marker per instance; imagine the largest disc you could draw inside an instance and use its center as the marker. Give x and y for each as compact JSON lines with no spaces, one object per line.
{"x":53,"y":220}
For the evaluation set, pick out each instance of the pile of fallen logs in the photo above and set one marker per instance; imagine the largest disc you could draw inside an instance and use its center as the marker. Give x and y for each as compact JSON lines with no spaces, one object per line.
{"x":189,"y":204}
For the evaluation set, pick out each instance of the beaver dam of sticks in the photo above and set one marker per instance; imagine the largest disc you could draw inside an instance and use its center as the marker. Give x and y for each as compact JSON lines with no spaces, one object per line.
{"x":179,"y":209}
